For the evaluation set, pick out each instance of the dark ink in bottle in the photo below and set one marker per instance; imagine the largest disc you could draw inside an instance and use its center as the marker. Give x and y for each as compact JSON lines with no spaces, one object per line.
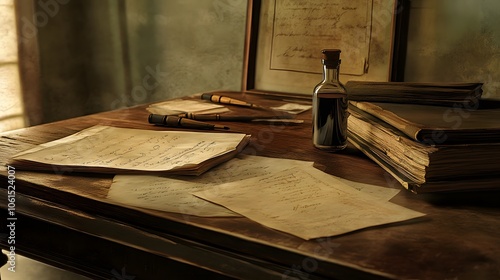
{"x":330,"y":106}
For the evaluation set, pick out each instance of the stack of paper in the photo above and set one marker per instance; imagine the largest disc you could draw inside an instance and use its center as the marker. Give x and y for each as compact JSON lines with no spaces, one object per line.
{"x":105,"y":149}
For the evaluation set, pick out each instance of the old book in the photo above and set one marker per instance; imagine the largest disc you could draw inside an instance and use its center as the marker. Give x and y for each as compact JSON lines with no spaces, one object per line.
{"x":421,"y":162}
{"x":480,"y":183}
{"x":105,"y":149}
{"x":437,"y":125}
{"x":444,"y":94}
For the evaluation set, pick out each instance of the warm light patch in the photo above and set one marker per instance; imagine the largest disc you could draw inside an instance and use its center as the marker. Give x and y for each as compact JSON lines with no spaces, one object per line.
{"x":11,"y":106}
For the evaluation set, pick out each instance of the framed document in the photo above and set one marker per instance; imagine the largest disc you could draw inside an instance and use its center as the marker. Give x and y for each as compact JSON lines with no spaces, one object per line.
{"x":285,"y":38}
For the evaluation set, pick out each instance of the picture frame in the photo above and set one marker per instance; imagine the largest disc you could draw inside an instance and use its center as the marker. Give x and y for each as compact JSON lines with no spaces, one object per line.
{"x":384,"y":43}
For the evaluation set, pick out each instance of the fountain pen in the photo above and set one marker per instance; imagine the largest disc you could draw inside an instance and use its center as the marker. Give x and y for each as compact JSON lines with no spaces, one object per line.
{"x":174,"y":121}
{"x":228,"y":100}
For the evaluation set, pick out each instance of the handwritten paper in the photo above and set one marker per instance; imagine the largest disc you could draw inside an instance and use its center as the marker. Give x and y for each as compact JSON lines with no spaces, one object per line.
{"x":173,"y":194}
{"x":377,"y":192}
{"x":164,"y":194}
{"x":125,"y":149}
{"x":307,"y":203}
{"x":292,"y":108}
{"x":302,"y":28}
{"x":179,"y":106}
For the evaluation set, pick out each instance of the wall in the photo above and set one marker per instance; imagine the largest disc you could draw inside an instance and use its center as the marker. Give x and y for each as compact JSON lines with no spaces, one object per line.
{"x":455,"y":41}
{"x":81,"y":61}
{"x":100,"y":55}
{"x":192,"y":46}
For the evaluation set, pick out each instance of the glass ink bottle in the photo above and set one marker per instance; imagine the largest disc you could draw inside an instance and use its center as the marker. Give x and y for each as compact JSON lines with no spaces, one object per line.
{"x":330,"y":106}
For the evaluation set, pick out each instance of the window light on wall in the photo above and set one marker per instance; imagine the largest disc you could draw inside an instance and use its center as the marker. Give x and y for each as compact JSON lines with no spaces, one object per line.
{"x":11,"y":105}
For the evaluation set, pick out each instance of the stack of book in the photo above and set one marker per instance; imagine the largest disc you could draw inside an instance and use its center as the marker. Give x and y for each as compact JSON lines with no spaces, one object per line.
{"x":445,"y":94}
{"x":429,"y":148}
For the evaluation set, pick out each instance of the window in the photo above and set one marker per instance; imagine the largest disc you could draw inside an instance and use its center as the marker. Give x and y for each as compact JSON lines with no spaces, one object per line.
{"x":11,"y":105}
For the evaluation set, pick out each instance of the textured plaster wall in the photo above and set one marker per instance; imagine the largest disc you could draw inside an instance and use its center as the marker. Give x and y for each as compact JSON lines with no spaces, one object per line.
{"x":95,"y":56}
{"x":454,"y":41}
{"x":191,"y":45}
{"x":100,"y":55}
{"x":81,"y":57}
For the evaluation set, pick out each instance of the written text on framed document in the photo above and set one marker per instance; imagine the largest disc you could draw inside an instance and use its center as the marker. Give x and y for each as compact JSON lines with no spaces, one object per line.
{"x":285,"y":39}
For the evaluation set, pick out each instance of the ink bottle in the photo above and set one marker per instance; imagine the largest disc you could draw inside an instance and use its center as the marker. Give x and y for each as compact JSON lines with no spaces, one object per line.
{"x":330,"y":106}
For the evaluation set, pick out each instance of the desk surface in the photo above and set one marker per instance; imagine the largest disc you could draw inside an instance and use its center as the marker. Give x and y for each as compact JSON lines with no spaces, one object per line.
{"x":458,"y":239}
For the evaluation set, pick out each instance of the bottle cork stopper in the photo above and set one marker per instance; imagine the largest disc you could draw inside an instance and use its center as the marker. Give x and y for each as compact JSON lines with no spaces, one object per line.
{"x":331,"y":56}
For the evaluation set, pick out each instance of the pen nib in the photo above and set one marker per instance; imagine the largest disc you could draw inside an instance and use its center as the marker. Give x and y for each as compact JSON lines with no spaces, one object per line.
{"x":221,"y":127}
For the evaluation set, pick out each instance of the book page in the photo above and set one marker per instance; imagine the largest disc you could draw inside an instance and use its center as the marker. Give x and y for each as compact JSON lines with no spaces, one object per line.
{"x":303,"y":28}
{"x":307,"y":203}
{"x":173,"y":193}
{"x":133,"y":149}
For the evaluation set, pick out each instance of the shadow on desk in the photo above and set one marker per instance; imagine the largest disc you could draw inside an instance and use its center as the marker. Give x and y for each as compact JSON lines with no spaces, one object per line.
{"x":28,"y":269}
{"x":486,"y":199}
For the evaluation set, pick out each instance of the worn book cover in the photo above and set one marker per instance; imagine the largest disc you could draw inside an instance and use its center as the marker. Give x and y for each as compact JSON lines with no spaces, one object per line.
{"x":442,"y":94}
{"x":422,"y":167}
{"x":422,"y":162}
{"x":436,"y":125}
{"x":477,"y":183}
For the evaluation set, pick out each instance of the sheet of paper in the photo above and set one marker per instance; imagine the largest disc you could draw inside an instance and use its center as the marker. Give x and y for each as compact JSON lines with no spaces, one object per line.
{"x":66,"y":140}
{"x":164,"y":194}
{"x":378,"y":192}
{"x":134,"y":149}
{"x":302,"y":28}
{"x":178,"y":106}
{"x":292,"y":108}
{"x":306,"y":202}
{"x":173,"y":193}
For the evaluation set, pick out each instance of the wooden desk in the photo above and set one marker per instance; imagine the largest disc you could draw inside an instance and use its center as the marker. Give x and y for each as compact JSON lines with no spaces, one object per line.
{"x":65,"y":220}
